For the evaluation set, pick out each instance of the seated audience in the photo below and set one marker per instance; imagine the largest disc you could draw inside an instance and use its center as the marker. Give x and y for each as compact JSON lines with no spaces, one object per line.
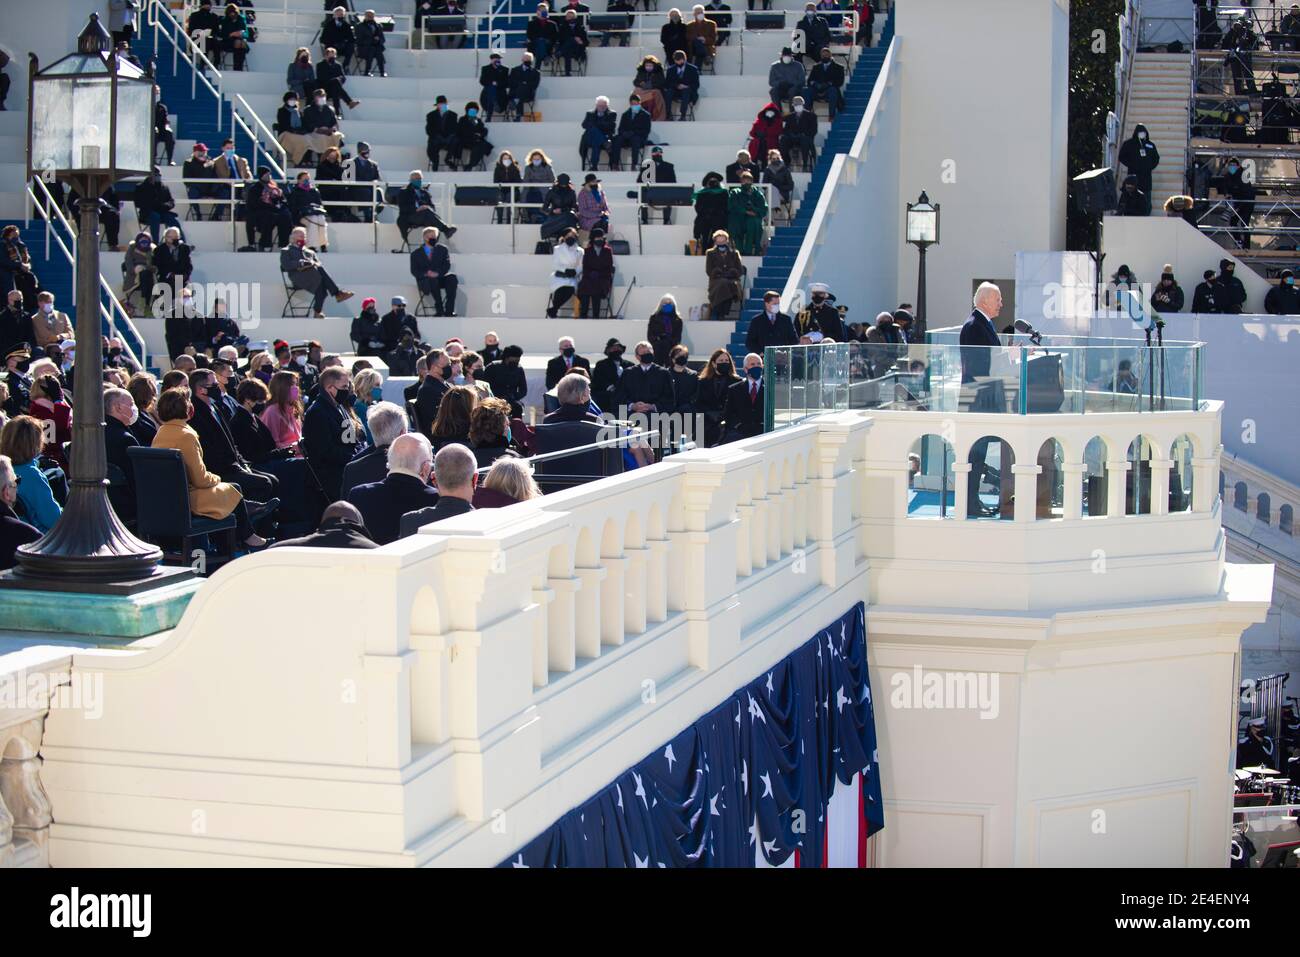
{"x":305,"y":271}
{"x":21,"y":440}
{"x":386,"y":422}
{"x":510,"y":480}
{"x":14,"y":532}
{"x":404,"y":489}
{"x":454,"y":475}
{"x":341,"y":526}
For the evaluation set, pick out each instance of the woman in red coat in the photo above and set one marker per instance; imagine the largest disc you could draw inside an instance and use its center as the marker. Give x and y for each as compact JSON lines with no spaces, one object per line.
{"x":597,"y":280}
{"x":48,"y":405}
{"x":765,"y":134}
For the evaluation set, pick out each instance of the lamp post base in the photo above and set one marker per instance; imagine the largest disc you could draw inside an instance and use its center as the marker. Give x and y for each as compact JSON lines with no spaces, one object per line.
{"x":111,"y":612}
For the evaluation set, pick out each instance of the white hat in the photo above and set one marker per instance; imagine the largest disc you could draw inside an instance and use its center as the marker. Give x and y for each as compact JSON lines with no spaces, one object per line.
{"x":818,"y":287}
{"x":815,"y":336}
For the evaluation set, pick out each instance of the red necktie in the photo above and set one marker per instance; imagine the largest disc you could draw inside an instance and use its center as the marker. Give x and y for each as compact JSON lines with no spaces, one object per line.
{"x":753,"y":394}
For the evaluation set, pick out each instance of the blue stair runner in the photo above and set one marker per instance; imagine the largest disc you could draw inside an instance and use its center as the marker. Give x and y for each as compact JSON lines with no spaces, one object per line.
{"x":783,"y":248}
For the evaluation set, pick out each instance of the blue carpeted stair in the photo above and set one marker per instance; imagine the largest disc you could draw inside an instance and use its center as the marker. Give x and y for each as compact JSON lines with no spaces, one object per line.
{"x":786,"y":240}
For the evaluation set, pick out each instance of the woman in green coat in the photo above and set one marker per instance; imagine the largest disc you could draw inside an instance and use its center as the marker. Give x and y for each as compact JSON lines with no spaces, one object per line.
{"x":746,"y":210}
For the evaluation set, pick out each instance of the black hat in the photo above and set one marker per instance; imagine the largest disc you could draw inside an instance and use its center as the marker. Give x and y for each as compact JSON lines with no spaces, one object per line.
{"x":597,"y":233}
{"x":1225,"y":263}
{"x":1287,"y":272}
{"x":656,"y":149}
{"x":590,"y":178}
{"x":713,"y":174}
{"x":262,"y":170}
{"x":18,"y":352}
{"x":786,"y":51}
{"x":612,"y":343}
{"x":440,"y":99}
{"x":563,"y":179}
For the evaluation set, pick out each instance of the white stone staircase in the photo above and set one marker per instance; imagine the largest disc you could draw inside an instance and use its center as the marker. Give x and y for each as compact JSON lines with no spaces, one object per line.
{"x":1159,"y":93}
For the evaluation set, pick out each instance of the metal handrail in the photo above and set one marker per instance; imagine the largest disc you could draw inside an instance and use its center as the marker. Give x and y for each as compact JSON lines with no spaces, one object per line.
{"x":162,"y":21}
{"x":615,"y":442}
{"x":275,"y":149}
{"x":1129,"y":22}
{"x":114,"y":313}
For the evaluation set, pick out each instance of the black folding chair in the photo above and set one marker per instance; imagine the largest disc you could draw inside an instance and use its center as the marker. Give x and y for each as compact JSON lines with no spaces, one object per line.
{"x":162,"y":506}
{"x":291,"y":309}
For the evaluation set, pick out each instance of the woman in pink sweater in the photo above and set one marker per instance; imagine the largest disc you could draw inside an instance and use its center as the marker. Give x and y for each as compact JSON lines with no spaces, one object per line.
{"x":283,"y":414}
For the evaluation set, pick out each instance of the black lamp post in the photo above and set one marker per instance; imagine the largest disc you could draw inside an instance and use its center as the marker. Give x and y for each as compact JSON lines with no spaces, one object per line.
{"x":922,"y":232}
{"x":90,"y":122}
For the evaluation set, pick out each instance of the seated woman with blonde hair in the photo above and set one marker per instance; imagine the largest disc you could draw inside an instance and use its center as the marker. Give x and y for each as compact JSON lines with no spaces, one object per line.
{"x":510,"y":480}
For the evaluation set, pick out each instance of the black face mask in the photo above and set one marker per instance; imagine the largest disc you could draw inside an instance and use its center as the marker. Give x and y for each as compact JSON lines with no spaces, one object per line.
{"x":567,"y":352}
{"x":615,"y":354}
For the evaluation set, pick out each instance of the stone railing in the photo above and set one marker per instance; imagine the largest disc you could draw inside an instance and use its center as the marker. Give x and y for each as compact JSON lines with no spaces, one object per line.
{"x":1270,"y":502}
{"x":447,"y":697}
{"x":26,"y":683}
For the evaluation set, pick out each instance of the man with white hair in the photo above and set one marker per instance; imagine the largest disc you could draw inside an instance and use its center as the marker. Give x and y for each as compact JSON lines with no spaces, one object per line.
{"x":743,"y":413}
{"x":565,"y":362}
{"x":387,"y":421}
{"x":404,"y":489}
{"x":305,"y":272}
{"x":13,"y":530}
{"x":574,"y":395}
{"x":120,"y":414}
{"x":980,"y":334}
{"x":455,"y":474}
{"x":598,"y":128}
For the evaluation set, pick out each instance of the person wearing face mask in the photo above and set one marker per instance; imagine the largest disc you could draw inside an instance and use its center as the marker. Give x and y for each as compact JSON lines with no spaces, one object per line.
{"x":541,"y":34}
{"x":785,"y":78}
{"x":234,"y":36}
{"x":221,"y":332}
{"x":771,"y":327}
{"x":657,"y":170}
{"x":206,"y":20}
{"x":537,"y":169}
{"x":154,"y":205}
{"x":229,"y":166}
{"x":305,"y":271}
{"x":743,"y":415}
{"x":664,"y":330}
{"x":605,"y":374}
{"x":332,"y":78}
{"x":138,"y":273}
{"x":49,"y":325}
{"x":686,"y":384}
{"x":471,"y":134}
{"x":1238,"y":185}
{"x":490,"y":351}
{"x":15,"y":324}
{"x":566,"y":263}
{"x":521,"y":89}
{"x":572,"y":40}
{"x":826,"y":82}
{"x":267,"y":212}
{"x":336,"y":32}
{"x":173,"y":260}
{"x":507,"y":379}
{"x":162,"y":128}
{"x":701,"y":37}
{"x":681,"y":85}
{"x":816,"y":32}
{"x":765,"y":133}
{"x":120,"y":414}
{"x":710,"y":204}
{"x":633,"y":131}
{"x":494,"y":83}
{"x":568,"y":360}
{"x":1140,"y":156}
{"x":199,"y":167}
{"x":559,"y":209}
{"x":364,"y":171}
{"x":599,"y":127}
{"x":367,"y":330}
{"x":183,"y":327}
{"x":321,"y":119}
{"x":746,"y":212}
{"x":435,"y":385}
{"x":505,"y":173}
{"x":672,"y":35}
{"x":415,"y":208}
{"x":331,"y":436}
{"x":296,"y":136}
{"x":370,"y":45}
{"x":1240,"y":42}
{"x":799,"y":132}
{"x":1132,"y":201}
{"x":1283,"y":299}
{"x":645,"y":387}
{"x":648,"y":83}
{"x":717,"y":376}
{"x":300,"y":76}
{"x":777,"y":174}
{"x":593,"y":208}
{"x":213,"y":412}
{"x":367,"y":389}
{"x":398,"y":321}
{"x":1230,"y":292}
{"x":440,"y":125}
{"x":821,"y":315}
{"x":307,"y":209}
{"x":597,"y":282}
{"x":1203,"y":301}
{"x":431,"y":267}
{"x":725,"y":271}
{"x":1168,"y":295}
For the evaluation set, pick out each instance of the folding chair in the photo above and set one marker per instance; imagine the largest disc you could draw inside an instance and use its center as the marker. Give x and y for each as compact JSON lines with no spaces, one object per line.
{"x":292,"y":310}
{"x":424,"y":306}
{"x":162,"y":502}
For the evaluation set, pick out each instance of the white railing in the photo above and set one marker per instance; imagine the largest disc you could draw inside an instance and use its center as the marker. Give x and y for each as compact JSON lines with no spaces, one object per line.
{"x":838,"y":175}
{"x":1115,"y":120}
{"x":1269,"y":500}
{"x":113,"y":315}
{"x":202,"y":70}
{"x":263,"y":139}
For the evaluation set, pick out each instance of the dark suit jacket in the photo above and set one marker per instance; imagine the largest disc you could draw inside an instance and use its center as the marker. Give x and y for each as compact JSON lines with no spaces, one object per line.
{"x":438,"y":259}
{"x":13,"y":532}
{"x":978,"y":330}
{"x":556,"y":369}
{"x":604,"y":380}
{"x":764,"y":332}
{"x":370,"y":466}
{"x":219,"y":451}
{"x":743,"y":418}
{"x":654,"y":385}
{"x":335,"y":533}
{"x":252,"y":438}
{"x":383,"y":504}
{"x":117,"y":439}
{"x":446,"y":508}
{"x":634,"y":124}
{"x":427,"y":400}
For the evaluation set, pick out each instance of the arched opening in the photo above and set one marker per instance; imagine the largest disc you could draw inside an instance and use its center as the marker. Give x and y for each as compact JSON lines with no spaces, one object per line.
{"x":1050,"y":500}
{"x":931,"y":478}
{"x":990,"y":485}
{"x":1137,"y":484}
{"x":1239,"y":496}
{"x":1180,"y":475}
{"x":1095,"y":477}
{"x":1264,"y":508}
{"x":1286,"y":520}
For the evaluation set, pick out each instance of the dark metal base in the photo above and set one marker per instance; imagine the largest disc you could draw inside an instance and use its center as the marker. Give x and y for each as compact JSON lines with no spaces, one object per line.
{"x":158,"y":577}
{"x":88,"y":545}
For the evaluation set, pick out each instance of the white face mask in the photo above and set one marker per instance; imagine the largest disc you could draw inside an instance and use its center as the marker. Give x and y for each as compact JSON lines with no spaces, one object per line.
{"x":135,"y":416}
{"x":699,"y":16}
{"x":537,"y":161}
{"x":507,"y":161}
{"x":785,"y":59}
{"x":798,"y":108}
{"x":47,"y":307}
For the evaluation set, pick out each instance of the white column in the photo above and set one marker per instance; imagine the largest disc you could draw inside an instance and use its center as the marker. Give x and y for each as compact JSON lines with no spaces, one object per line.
{"x":1116,"y":481}
{"x":1204,"y":487}
{"x":1160,"y":485}
{"x":744,"y":549}
{"x":1026,"y":481}
{"x":542,"y":597}
{"x":960,"y":472}
{"x":774,"y":507}
{"x":611,"y":600}
{"x":561,"y":628}
{"x":587,"y":630}
{"x":1072,"y":504}
{"x":635,"y":586}
{"x":656,"y":600}
{"x":758,"y":534}
{"x":430,"y":688}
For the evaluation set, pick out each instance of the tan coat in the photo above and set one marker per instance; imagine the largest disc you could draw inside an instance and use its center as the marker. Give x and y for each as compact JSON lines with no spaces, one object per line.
{"x":724,"y":271}
{"x":706,"y":29}
{"x":209,"y":496}
{"x":50,"y":328}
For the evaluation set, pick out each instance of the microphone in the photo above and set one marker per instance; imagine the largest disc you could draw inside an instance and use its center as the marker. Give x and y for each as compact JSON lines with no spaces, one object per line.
{"x":1025,"y":328}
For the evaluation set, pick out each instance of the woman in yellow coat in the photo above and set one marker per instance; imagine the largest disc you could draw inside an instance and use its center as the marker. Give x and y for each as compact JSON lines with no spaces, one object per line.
{"x":209,"y":496}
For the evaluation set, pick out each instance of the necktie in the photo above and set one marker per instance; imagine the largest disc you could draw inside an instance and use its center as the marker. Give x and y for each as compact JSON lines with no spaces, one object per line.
{"x":753,"y":394}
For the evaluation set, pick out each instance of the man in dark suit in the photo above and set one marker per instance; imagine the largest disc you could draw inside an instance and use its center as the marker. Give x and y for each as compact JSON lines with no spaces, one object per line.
{"x":340,"y":527}
{"x":825,"y":82}
{"x":771,"y":327}
{"x":387,"y":423}
{"x":645,"y":387}
{"x":979,"y":333}
{"x":633,"y":131}
{"x":454,"y":473}
{"x":798,"y":130}
{"x":565,"y":362}
{"x":404,"y":489}
{"x":415,"y":207}
{"x":743,"y":414}
{"x":606,"y":374}
{"x":432,"y":389}
{"x":495,"y":81}
{"x":522,"y":86}
{"x":574,"y":396}
{"x":681,"y":85}
{"x":330,"y":437}
{"x":431,"y":267}
{"x":119,"y":415}
{"x":440,"y":130}
{"x":220,"y":454}
{"x":507,"y":379}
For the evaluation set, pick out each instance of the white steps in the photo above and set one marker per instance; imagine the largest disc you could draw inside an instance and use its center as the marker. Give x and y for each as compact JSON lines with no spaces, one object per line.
{"x":1160,"y":90}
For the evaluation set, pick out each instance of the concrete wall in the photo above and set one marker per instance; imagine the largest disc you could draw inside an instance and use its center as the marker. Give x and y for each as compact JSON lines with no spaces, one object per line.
{"x":983,"y":132}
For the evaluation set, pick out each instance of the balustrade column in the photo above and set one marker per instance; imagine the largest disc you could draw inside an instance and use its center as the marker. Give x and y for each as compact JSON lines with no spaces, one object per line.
{"x":587,"y":625}
{"x":561,"y":631}
{"x":656,"y":599}
{"x":1116,"y":486}
{"x":542,"y":598}
{"x":758,"y":534}
{"x":1026,"y":485}
{"x":1204,"y":488}
{"x":635,"y":585}
{"x":960,"y":472}
{"x":611,"y":600}
{"x":28,"y":806}
{"x":1160,"y":485}
{"x":1072,"y":503}
{"x":747,"y":514}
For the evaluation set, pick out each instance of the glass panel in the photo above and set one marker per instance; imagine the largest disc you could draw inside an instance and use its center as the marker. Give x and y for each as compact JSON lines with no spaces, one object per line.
{"x":134,"y":125}
{"x":1095,"y":478}
{"x":1050,"y":498}
{"x":930,"y":478}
